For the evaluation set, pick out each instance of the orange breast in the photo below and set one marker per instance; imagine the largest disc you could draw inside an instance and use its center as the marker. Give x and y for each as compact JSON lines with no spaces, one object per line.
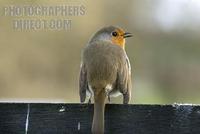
{"x":119,"y":41}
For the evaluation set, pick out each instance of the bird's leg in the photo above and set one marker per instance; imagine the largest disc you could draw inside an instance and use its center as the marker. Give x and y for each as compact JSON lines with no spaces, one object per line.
{"x":108,"y":98}
{"x":126,"y":98}
{"x":108,"y":95}
{"x":89,"y":101}
{"x":89,"y":97}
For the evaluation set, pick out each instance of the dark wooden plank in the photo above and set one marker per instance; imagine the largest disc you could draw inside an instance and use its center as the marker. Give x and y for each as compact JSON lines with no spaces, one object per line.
{"x":119,"y":119}
{"x":12,"y":118}
{"x":60,"y":118}
{"x":151,"y":119}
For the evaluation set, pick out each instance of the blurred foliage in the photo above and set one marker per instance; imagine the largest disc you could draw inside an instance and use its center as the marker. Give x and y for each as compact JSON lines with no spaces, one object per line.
{"x":164,"y":52}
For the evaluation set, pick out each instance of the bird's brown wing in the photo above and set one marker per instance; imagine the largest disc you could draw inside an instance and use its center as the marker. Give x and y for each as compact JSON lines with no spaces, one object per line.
{"x":83,"y":84}
{"x":123,"y":83}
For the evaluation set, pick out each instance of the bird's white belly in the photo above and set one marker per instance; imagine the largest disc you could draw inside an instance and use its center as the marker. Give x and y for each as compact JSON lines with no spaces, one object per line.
{"x":115,"y":94}
{"x":108,"y":89}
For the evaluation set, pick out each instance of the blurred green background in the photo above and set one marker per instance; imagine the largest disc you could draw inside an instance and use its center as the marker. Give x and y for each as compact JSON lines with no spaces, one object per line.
{"x":43,"y":65}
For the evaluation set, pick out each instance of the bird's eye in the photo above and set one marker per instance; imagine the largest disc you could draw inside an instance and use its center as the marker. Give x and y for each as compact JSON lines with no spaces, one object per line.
{"x":114,"y":34}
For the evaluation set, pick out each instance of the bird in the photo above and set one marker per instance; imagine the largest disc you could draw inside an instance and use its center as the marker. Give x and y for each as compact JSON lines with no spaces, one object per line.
{"x":105,"y":71}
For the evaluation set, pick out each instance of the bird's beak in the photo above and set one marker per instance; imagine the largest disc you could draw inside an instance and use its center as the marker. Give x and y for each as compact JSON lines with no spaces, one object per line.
{"x":126,"y":35}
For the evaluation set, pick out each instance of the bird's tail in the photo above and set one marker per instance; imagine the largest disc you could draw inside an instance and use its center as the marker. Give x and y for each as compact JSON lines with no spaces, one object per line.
{"x":98,"y":117}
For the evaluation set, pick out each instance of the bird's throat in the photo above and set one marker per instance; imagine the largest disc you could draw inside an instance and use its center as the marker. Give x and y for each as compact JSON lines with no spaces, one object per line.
{"x":119,"y":42}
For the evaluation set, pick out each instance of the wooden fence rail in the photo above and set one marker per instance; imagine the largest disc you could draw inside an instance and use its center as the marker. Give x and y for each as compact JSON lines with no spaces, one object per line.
{"x":44,"y":118}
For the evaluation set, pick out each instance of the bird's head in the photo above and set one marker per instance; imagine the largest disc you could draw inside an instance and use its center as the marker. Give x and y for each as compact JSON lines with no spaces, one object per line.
{"x":113,"y":34}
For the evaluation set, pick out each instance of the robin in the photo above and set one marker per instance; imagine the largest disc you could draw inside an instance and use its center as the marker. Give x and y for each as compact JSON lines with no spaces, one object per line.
{"x":105,"y":71}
